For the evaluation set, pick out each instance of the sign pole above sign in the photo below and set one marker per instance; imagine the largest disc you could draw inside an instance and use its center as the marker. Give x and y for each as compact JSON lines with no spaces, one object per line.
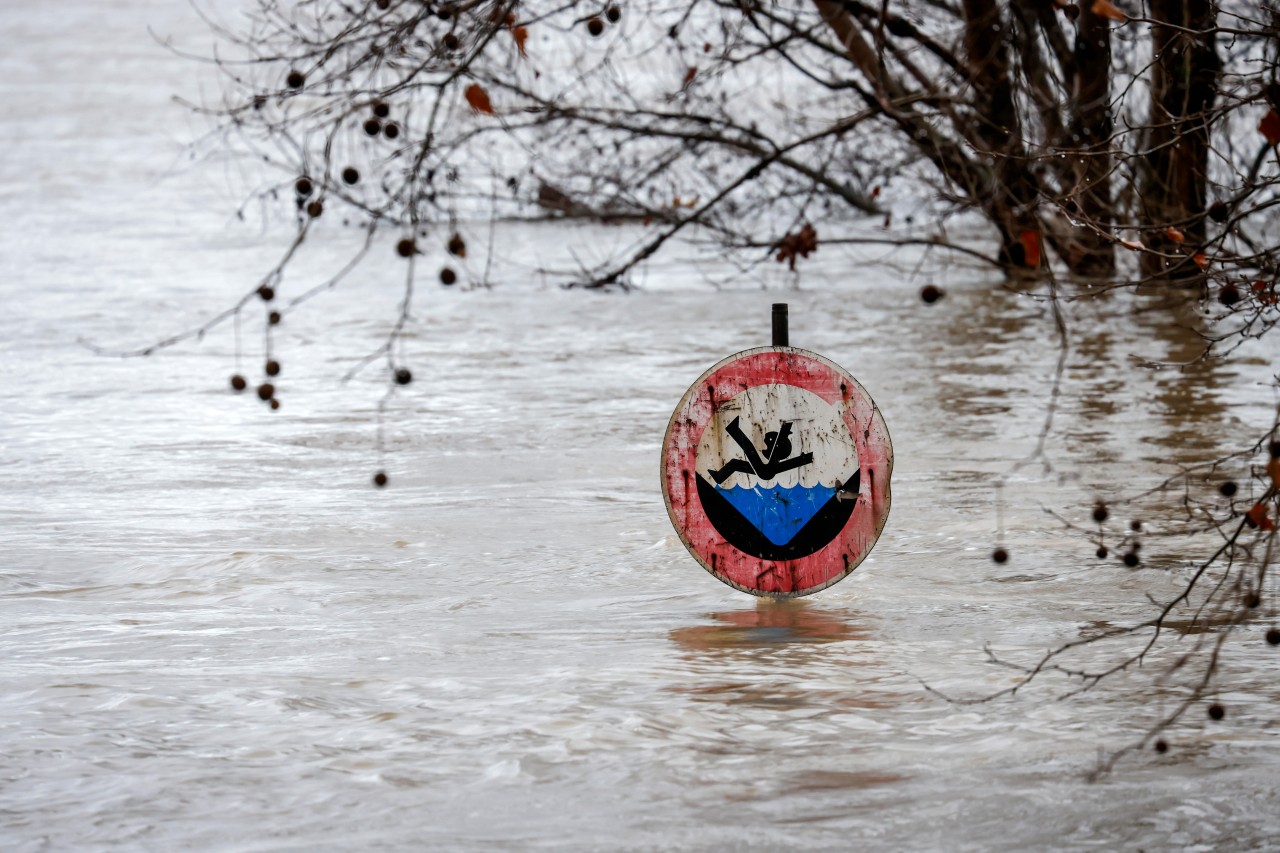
{"x":775,"y":470}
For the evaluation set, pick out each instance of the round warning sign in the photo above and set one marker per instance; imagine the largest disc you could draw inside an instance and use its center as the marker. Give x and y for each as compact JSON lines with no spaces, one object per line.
{"x":775,"y":471}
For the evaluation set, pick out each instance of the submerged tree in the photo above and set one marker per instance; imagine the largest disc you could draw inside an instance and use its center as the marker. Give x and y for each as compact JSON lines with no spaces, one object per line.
{"x":1112,"y":144}
{"x":1076,"y":128}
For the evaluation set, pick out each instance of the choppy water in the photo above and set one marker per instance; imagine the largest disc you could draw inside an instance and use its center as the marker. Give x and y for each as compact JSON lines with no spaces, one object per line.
{"x":216,"y":635}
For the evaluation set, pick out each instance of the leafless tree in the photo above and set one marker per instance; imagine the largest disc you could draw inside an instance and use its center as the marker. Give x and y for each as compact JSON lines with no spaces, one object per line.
{"x":1086,"y":135}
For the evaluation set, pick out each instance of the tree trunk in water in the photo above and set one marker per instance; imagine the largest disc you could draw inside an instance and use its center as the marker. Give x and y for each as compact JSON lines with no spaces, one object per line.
{"x":1184,"y":72}
{"x":1009,"y":200}
{"x":1091,"y":128}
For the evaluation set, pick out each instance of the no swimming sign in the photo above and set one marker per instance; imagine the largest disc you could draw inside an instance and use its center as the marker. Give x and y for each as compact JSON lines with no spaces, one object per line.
{"x":775,"y":471}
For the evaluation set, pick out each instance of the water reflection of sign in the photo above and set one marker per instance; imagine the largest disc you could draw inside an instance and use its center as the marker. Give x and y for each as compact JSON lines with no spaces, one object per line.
{"x":776,"y":471}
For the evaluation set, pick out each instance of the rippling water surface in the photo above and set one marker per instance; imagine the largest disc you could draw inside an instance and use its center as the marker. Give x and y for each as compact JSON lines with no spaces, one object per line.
{"x":217,"y":635}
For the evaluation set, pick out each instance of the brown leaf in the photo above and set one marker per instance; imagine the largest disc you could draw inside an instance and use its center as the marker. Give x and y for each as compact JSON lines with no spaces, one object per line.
{"x":800,"y":244}
{"x":478,"y":98}
{"x":1257,"y":517}
{"x":457,"y":246}
{"x":1201,"y":260}
{"x":1134,"y":245}
{"x":1030,"y":248}
{"x":1267,"y":296}
{"x":1270,"y":127}
{"x":1174,"y":234}
{"x":521,"y":35}
{"x":1107,"y":9}
{"x":688,"y":76}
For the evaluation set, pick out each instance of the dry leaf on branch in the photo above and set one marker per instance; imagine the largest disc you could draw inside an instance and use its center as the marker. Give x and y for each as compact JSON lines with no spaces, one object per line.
{"x":478,"y":98}
{"x":1030,"y":241}
{"x":1106,"y":9}
{"x":800,"y":244}
{"x":1257,"y":517}
{"x":1270,"y":127}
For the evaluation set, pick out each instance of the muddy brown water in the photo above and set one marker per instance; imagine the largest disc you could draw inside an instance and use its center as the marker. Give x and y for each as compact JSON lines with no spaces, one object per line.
{"x":218,"y":636}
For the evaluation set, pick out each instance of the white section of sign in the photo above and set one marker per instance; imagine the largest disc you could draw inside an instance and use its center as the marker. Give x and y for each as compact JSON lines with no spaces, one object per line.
{"x":800,"y":422}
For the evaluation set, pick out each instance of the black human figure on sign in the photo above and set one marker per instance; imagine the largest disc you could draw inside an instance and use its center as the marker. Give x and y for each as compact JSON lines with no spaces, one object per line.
{"x":777,"y":446}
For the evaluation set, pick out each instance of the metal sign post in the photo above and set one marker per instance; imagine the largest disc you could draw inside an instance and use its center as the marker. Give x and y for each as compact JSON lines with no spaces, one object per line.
{"x":775,"y":469}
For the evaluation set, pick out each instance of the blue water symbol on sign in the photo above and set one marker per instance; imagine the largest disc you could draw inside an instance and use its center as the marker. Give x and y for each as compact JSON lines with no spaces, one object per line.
{"x":778,"y":512}
{"x":781,"y":500}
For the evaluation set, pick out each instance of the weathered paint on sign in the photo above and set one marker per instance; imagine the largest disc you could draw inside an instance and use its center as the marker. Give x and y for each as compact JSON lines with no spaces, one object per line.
{"x":775,"y":471}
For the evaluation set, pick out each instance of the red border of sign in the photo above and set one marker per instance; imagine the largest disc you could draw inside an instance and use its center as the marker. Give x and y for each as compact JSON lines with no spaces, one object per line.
{"x":728,"y":378}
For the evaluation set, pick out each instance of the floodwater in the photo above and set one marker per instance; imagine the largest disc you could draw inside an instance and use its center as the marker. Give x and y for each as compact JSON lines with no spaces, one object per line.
{"x":217,"y":635}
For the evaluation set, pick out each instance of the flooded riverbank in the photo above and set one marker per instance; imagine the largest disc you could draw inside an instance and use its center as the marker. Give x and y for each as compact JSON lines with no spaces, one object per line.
{"x":218,"y":635}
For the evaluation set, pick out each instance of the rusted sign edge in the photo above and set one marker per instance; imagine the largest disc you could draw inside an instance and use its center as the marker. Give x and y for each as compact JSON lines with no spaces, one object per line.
{"x":880,"y":520}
